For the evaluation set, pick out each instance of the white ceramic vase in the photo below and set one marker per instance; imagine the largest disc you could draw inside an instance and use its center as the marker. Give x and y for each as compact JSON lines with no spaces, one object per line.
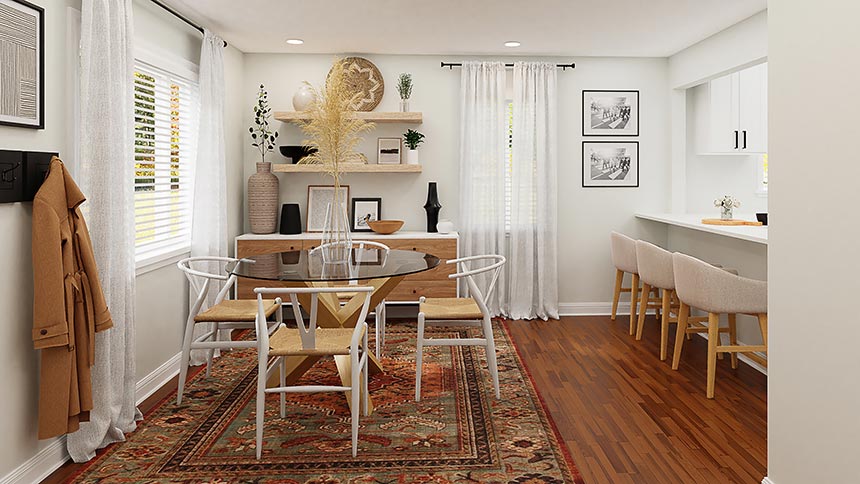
{"x":411,"y":157}
{"x":404,"y":105}
{"x":303,"y":98}
{"x":445,"y":226}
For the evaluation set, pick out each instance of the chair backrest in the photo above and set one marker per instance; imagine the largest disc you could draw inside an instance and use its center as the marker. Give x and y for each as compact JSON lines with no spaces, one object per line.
{"x":465,"y":272}
{"x":307,"y":332}
{"x":202,"y":273}
{"x":655,"y":265}
{"x":712,"y":289}
{"x":623,"y":250}
{"x":358,"y":244}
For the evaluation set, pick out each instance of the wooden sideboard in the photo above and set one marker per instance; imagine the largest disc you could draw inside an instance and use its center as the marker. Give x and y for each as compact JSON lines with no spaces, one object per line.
{"x":432,"y":283}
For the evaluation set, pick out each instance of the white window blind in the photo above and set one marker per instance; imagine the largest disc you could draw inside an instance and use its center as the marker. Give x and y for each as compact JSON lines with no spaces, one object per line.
{"x":165,"y":130}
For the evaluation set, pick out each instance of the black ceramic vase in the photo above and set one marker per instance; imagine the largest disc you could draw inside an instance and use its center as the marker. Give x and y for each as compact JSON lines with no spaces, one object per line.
{"x":291,"y":219}
{"x":432,"y":207}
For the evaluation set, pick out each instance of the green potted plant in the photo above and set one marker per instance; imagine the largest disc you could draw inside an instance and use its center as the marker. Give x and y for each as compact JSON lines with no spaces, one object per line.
{"x":263,"y":189}
{"x":412,"y":139}
{"x":404,"y":87}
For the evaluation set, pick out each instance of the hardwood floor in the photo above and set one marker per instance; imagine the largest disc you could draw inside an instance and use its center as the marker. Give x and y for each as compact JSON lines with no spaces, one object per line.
{"x":628,"y":418}
{"x":625,"y":415}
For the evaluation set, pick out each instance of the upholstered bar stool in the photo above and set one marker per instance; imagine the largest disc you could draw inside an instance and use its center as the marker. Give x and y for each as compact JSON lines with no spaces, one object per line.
{"x":717,"y":291}
{"x":623,"y":250}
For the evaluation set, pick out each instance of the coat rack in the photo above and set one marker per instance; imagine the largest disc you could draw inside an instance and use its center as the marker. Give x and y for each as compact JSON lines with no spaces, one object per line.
{"x":22,"y":173}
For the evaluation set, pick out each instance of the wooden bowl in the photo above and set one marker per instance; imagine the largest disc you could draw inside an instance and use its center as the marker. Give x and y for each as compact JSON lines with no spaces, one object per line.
{"x":385,"y":227}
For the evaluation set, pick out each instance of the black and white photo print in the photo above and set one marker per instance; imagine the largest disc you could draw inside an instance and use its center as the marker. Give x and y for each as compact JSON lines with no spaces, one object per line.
{"x":610,"y":113}
{"x":610,"y":164}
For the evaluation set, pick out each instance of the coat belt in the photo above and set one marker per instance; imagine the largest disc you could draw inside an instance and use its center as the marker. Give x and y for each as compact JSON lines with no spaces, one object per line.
{"x":80,"y":284}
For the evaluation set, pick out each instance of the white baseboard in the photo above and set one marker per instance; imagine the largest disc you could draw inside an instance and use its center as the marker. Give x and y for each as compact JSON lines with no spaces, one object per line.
{"x":605,"y":309}
{"x":767,"y":480}
{"x":54,"y":455}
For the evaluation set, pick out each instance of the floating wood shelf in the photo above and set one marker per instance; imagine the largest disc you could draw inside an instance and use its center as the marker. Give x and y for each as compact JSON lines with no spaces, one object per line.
{"x":349,"y":168}
{"x":372,"y":116}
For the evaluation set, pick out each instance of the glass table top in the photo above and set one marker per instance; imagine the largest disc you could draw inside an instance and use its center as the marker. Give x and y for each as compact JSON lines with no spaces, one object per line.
{"x":303,"y":266}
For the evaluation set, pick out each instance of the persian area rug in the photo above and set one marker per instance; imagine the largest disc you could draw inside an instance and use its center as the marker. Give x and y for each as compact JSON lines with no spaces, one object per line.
{"x":459,"y":432}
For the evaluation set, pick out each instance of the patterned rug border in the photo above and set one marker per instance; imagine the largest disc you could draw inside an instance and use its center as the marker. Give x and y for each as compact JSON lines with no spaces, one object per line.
{"x":545,"y":414}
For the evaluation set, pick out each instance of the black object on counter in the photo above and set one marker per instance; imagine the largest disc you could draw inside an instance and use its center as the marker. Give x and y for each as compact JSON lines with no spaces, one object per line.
{"x":432,"y":207}
{"x":291,"y":219}
{"x":761,"y":217}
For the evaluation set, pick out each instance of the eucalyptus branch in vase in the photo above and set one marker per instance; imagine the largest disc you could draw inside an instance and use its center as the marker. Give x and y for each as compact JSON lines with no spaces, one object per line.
{"x":262,"y":137}
{"x":404,"y":88}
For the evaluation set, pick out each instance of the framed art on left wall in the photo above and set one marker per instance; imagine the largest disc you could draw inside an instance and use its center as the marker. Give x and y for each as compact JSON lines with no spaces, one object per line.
{"x":22,"y":64}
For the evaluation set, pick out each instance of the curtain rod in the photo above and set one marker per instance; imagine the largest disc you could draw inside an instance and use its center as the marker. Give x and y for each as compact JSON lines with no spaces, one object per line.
{"x":180,"y":16}
{"x":452,"y":65}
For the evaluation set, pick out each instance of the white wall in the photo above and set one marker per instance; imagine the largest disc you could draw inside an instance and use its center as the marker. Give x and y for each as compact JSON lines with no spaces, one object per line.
{"x":813,"y":387}
{"x":161,"y":303}
{"x":585,"y":215}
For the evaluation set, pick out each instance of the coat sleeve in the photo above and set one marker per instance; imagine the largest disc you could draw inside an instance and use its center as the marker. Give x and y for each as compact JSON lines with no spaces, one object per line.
{"x":50,"y":327}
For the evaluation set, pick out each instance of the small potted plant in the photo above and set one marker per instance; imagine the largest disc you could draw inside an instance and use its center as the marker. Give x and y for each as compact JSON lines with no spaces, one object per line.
{"x":404,"y":87}
{"x":727,"y":204}
{"x":412,"y":139}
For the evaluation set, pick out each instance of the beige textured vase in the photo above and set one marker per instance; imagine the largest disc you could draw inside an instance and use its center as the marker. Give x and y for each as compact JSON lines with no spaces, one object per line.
{"x":263,"y":190}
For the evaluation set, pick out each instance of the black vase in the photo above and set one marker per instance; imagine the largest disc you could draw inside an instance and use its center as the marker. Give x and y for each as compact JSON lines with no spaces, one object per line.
{"x":432,"y":207}
{"x":291,"y":219}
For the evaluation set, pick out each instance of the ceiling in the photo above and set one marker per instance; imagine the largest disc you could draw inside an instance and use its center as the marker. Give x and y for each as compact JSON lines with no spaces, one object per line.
{"x":637,"y":28}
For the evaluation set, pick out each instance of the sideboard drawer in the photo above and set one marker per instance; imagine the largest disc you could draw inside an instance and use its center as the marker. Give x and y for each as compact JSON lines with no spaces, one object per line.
{"x":410,"y":290}
{"x":443,"y":249}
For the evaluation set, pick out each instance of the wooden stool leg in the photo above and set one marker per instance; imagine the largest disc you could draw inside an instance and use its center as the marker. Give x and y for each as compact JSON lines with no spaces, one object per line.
{"x":664,"y":324}
{"x":733,"y":338}
{"x":619,"y":276}
{"x":713,"y":341}
{"x":762,"y":324}
{"x":683,"y":314}
{"x":646,"y":293}
{"x":634,"y":299}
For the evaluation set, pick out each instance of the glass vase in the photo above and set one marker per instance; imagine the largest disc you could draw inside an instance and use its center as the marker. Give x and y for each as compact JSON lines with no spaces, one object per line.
{"x":726,"y":213}
{"x":336,"y":243}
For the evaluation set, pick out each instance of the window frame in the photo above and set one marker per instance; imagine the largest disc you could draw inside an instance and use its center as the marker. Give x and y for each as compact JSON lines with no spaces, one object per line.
{"x":761,"y":166}
{"x":174,"y":65}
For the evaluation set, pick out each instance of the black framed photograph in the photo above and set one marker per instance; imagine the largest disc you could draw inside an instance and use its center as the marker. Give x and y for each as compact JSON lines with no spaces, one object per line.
{"x":365,"y":210}
{"x":610,"y":164}
{"x":610,"y":113}
{"x":388,"y":151}
{"x":22,"y":68}
{"x":319,"y":198}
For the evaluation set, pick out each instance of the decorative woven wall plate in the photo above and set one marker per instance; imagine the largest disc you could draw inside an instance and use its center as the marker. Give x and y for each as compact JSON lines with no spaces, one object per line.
{"x":363,"y":77}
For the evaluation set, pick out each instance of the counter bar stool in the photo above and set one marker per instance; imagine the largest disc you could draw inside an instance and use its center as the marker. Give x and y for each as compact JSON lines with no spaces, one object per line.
{"x":717,"y":291}
{"x":623,"y":250}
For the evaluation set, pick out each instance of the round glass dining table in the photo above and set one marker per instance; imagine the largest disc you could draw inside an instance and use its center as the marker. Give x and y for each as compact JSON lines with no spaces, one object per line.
{"x":382,"y":269}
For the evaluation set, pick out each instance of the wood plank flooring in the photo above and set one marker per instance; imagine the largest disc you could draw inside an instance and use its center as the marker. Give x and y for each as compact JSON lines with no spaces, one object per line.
{"x":625,"y":415}
{"x":628,"y":418}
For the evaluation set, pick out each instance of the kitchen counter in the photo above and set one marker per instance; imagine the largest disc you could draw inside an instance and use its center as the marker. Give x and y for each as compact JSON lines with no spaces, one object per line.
{"x":756,"y":234}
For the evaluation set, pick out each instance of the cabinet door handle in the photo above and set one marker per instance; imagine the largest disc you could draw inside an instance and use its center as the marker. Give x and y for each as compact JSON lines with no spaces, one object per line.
{"x":736,"y":139}
{"x":745,"y":139}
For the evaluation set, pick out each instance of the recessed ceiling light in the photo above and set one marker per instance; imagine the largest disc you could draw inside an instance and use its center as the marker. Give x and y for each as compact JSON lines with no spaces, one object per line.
{"x":295,"y":41}
{"x":512,"y":43}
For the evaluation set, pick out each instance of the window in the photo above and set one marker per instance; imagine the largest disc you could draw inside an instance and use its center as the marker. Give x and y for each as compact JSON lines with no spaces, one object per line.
{"x":509,"y":166}
{"x":761,"y":170}
{"x":165,"y":130}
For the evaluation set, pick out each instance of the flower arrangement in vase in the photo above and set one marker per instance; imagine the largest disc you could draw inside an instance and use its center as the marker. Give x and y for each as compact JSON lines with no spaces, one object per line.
{"x":404,"y":88}
{"x":334,"y":131}
{"x":412,"y":139}
{"x":263,"y":186}
{"x":727,"y":204}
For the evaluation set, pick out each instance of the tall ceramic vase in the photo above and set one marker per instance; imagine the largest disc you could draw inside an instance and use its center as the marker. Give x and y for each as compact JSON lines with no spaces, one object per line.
{"x":263,"y":191}
{"x":432,"y":206}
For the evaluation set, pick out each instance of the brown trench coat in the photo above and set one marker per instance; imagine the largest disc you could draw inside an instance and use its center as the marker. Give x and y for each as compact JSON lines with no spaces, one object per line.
{"x":68,"y":307}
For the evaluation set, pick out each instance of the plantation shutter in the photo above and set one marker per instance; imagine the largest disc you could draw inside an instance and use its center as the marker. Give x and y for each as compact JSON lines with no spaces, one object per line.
{"x":165,"y":131}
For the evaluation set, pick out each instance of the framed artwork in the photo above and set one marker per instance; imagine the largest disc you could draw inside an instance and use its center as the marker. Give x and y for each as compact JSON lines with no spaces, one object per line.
{"x":365,"y":210}
{"x":388,"y":151}
{"x":610,"y":113}
{"x":22,"y":64}
{"x":319,"y":197}
{"x":610,"y":164}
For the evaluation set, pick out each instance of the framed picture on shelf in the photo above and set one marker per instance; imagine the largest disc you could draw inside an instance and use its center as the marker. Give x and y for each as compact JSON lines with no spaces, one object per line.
{"x":319,"y":198}
{"x":610,"y":164}
{"x":388,"y":151}
{"x":610,"y":113}
{"x":22,"y":71}
{"x":365,"y":210}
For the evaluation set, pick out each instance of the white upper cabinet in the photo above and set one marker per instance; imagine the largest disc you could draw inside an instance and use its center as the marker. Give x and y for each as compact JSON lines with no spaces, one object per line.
{"x":731,"y":113}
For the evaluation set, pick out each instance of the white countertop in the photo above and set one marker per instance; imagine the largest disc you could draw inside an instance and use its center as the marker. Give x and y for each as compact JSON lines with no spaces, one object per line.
{"x":401,"y":234}
{"x":757,"y":234}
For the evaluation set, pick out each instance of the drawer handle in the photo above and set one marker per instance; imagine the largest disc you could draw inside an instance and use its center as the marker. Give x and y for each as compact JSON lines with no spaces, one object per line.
{"x":415,"y":248}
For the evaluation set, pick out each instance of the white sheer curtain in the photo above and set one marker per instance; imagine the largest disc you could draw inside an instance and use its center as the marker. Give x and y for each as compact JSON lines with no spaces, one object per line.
{"x":105,"y":173}
{"x":532,"y":265}
{"x":483,"y":137}
{"x":209,"y":219}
